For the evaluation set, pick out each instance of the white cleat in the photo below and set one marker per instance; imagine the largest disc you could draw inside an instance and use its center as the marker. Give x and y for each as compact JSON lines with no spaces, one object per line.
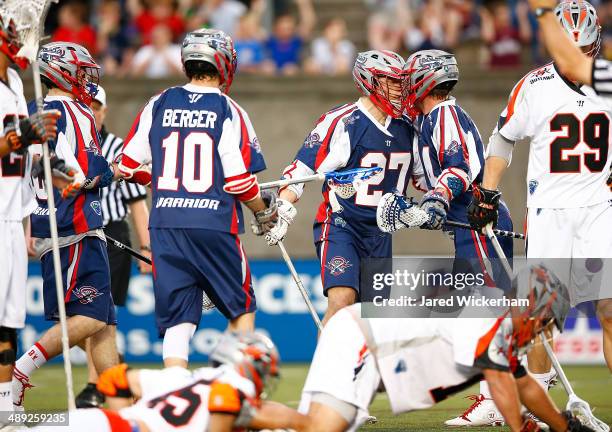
{"x":20,"y":384}
{"x":371,"y":420}
{"x":482,"y":412}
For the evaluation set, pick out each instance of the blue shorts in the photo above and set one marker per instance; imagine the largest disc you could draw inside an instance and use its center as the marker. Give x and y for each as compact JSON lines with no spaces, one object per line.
{"x":472,"y":248}
{"x":86,"y":281}
{"x":340,"y":250}
{"x":188,"y":262}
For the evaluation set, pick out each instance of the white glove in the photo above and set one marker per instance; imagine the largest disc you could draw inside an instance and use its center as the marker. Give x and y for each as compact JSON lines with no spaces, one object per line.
{"x":286,"y":213}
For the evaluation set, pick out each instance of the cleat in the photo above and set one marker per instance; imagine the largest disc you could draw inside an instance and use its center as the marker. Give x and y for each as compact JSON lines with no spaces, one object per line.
{"x":20,"y":384}
{"x":371,"y":420}
{"x":482,"y":412}
{"x":89,"y":397}
{"x":543,"y":426}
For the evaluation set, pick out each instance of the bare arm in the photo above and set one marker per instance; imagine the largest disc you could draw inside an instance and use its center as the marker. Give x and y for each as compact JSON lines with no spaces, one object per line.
{"x":572,"y":62}
{"x":539,"y":403}
{"x":140,"y":216}
{"x":308,"y":18}
{"x":273,"y":415}
{"x":505,"y":394}
{"x":288,"y":195}
{"x":221,"y":422}
{"x":495,"y":167}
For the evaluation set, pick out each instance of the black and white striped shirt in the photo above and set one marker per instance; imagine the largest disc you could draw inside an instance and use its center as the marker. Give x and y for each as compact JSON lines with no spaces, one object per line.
{"x":602,"y":78}
{"x":118,"y":195}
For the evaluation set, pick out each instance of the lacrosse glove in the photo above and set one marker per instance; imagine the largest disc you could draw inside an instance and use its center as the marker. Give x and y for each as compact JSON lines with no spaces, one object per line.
{"x":265,"y":219}
{"x":113,"y":382}
{"x":36,"y":129}
{"x":483,"y":208}
{"x":435,"y":205}
{"x":286,"y":214}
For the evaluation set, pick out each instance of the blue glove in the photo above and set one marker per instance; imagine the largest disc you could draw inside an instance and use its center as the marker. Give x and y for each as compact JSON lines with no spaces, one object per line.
{"x":435,"y":205}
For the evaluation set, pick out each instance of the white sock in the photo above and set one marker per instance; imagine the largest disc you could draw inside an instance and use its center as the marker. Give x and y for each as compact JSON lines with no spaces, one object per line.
{"x":176,"y":341}
{"x":542,"y":379}
{"x":6,"y":400}
{"x":484,"y":389}
{"x":34,"y":358}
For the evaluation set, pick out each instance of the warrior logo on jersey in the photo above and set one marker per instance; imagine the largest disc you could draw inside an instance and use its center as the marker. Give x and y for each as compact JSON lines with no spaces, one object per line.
{"x":86,"y":294}
{"x":533,"y":185}
{"x":400,"y":366}
{"x":313,"y":140}
{"x":338,"y":265}
{"x":193,"y":98}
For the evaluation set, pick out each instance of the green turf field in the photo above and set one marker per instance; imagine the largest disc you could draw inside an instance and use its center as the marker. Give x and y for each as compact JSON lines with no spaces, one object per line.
{"x":591,"y":383}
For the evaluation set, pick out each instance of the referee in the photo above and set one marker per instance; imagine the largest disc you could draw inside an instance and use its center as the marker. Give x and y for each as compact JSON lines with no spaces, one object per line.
{"x":118,"y":200}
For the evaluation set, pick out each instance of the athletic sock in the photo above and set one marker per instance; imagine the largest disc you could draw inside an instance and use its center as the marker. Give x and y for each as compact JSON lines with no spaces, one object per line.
{"x":6,"y":400}
{"x":542,"y":379}
{"x":484,"y":389}
{"x":34,"y":358}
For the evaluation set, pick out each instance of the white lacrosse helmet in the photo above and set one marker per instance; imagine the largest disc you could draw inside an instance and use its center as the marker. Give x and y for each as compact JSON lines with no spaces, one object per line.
{"x":426,"y":70}
{"x":579,"y":19}
{"x":214,"y":47}
{"x":71,"y":68}
{"x":369,"y":67}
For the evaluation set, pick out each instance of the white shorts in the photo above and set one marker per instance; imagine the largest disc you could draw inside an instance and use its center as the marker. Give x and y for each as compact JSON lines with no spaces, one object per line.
{"x":581,"y":234}
{"x":13,"y":275}
{"x":343,"y":367}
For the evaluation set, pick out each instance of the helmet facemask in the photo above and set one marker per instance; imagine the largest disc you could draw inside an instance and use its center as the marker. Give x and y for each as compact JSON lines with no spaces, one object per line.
{"x":10,"y":43}
{"x":88,"y":78}
{"x":387,"y":93}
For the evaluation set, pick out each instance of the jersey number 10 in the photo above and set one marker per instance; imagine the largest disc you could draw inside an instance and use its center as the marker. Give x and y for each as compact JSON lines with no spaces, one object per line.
{"x":594,"y":131}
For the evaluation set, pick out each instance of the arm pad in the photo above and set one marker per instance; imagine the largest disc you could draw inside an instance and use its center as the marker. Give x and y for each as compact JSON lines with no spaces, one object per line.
{"x":244,"y":186}
{"x":454,"y":180}
{"x":134,"y":172}
{"x":500,"y":147}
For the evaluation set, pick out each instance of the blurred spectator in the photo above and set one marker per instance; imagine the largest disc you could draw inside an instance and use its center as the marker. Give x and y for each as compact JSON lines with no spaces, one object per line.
{"x":427,"y":29}
{"x":160,"y":59}
{"x":284,"y":47}
{"x":249,"y":41}
{"x":387,"y":23}
{"x":73,"y":27}
{"x":604,"y":12}
{"x":219,"y":14}
{"x":502,"y":38}
{"x":112,"y":38}
{"x":155,"y":13}
{"x":332,"y":53}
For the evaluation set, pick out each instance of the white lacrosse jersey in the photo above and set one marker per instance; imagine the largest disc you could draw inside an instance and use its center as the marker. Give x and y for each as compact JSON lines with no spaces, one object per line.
{"x":176,"y":399}
{"x":569,"y":129}
{"x":16,"y":196}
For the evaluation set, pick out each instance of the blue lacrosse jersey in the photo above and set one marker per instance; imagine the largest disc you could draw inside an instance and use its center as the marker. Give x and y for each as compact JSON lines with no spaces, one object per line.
{"x":78,"y":143}
{"x":195,"y":138}
{"x":449,"y":141}
{"x":349,"y":137}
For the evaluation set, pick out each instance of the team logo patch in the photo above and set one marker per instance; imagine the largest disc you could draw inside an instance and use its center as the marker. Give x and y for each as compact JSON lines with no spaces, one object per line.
{"x":255,"y":145}
{"x":95,"y":206}
{"x":86,"y":294}
{"x":338,"y":265}
{"x":338,"y":221}
{"x":50,"y":54}
{"x":452,"y":149}
{"x":92,"y":148}
{"x":455,"y":185}
{"x":313,"y":140}
{"x":350,"y":119}
{"x":400,"y":366}
{"x":533,"y":185}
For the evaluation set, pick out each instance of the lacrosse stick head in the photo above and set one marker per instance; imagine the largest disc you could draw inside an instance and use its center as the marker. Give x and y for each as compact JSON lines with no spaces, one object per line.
{"x":9,"y":39}
{"x":395,"y":212}
{"x":582,"y":410}
{"x":345,"y":183}
{"x":207,"y":303}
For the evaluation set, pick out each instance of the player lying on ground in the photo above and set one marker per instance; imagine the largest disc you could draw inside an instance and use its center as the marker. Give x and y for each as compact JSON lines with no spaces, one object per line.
{"x":16,"y":199}
{"x":584,"y":68}
{"x":71,"y":75}
{"x":226,"y":396}
{"x":204,"y":155}
{"x":419,"y":362}
{"x":365,"y":133}
{"x":569,"y":213}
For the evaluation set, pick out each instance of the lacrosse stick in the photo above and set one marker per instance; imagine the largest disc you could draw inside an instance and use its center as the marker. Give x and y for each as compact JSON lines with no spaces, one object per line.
{"x":395,"y":212}
{"x":498,"y":232}
{"x":343,"y":182}
{"x":300,"y":286}
{"x":580,"y":407}
{"x":207,"y":303}
{"x":29,"y":16}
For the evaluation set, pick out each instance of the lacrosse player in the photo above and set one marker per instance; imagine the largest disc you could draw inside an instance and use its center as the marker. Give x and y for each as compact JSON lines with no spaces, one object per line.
{"x":450,"y":157}
{"x":71,"y":75}
{"x":420,"y":362}
{"x":568,"y":203}
{"x":16,"y":197}
{"x":204,"y":155}
{"x":365,"y":133}
{"x":226,"y":396}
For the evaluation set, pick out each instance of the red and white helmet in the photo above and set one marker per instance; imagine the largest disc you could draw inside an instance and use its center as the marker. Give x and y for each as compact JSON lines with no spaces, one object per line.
{"x":71,"y":68}
{"x":9,"y":40}
{"x":369,"y":68}
{"x":579,"y":19}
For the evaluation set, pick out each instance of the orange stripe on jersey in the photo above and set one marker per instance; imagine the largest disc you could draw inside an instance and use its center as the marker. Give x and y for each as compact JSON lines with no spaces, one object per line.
{"x":116,"y":422}
{"x":513,"y":97}
{"x":485,"y":341}
{"x":223,"y":398}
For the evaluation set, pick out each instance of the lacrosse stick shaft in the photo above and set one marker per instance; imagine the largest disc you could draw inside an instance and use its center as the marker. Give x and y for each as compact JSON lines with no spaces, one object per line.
{"x":57,"y":266}
{"x":128,"y":249}
{"x":300,"y":286}
{"x":556,"y":365}
{"x":498,"y":232}
{"x":498,"y":249}
{"x":287,"y":182}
